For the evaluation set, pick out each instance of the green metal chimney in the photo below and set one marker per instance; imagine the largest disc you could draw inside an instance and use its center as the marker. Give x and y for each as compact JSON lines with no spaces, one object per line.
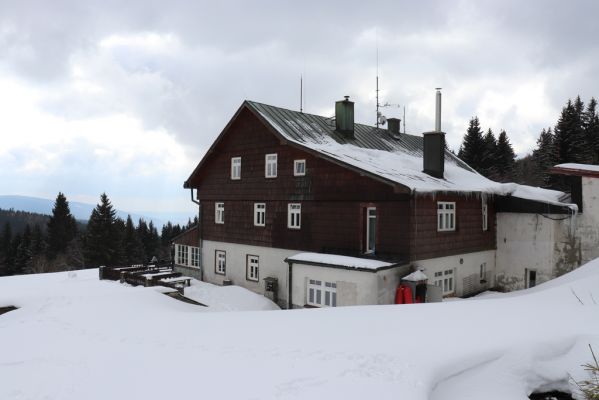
{"x":344,"y":117}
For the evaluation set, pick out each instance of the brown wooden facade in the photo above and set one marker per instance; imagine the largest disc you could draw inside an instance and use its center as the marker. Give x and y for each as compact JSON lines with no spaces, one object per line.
{"x":333,"y":200}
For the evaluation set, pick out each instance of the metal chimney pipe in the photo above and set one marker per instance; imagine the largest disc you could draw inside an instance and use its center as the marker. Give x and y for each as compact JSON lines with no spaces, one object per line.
{"x":438,"y":111}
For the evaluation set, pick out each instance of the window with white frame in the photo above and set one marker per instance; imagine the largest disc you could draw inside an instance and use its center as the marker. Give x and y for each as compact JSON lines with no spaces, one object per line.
{"x":259,"y":214}
{"x":321,"y":293}
{"x":299,"y":167}
{"x":220,"y":262}
{"x":294,"y":216}
{"x":236,"y":168}
{"x":270,"y":167}
{"x":182,"y":252}
{"x":444,"y":279}
{"x":253,"y":263}
{"x":370,"y":229}
{"x":195,"y":256}
{"x":219,"y":213}
{"x":445,"y":216}
{"x":485,"y":216}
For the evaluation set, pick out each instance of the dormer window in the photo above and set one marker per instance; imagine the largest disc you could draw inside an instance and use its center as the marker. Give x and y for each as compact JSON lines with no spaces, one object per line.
{"x":270,"y":167}
{"x":236,"y":168}
{"x":299,"y":167}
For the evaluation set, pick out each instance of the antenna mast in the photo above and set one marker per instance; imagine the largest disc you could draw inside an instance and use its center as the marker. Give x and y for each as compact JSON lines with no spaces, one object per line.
{"x":378,"y":113}
{"x":301,"y":93}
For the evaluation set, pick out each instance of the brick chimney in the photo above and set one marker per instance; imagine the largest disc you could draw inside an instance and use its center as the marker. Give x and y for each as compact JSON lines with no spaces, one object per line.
{"x":393,"y":125}
{"x":344,"y":117}
{"x":434,"y":145}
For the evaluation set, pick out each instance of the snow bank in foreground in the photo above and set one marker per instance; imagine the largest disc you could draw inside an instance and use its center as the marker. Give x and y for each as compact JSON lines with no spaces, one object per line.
{"x":227,"y":298}
{"x":80,"y":338}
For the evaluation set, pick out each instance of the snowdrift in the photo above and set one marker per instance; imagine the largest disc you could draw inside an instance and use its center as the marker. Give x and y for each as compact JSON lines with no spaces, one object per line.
{"x":75,"y":337}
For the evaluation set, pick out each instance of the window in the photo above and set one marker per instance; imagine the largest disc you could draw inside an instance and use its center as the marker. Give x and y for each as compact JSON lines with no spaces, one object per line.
{"x":321,"y":294}
{"x":531,"y":278}
{"x":236,"y":168}
{"x":485,"y":217}
{"x":220,"y":262}
{"x":259,"y":214}
{"x":270,"y":168}
{"x":182,"y":254}
{"x":195,"y":257}
{"x":445,"y":216}
{"x":483,"y":271}
{"x":299,"y":167}
{"x":251,"y":272}
{"x":294,"y":216}
{"x":219,"y":213}
{"x":370,"y":229}
{"x":444,"y":279}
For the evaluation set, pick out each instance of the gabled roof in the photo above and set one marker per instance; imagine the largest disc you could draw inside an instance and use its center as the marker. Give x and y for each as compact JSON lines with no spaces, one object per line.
{"x":395,"y":160}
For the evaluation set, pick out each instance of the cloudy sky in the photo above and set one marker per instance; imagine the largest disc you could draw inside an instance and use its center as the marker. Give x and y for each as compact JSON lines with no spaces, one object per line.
{"x":126,"y":96}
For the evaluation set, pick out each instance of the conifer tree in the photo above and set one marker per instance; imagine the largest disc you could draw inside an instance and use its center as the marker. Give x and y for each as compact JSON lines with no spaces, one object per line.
{"x":545,"y":156}
{"x":570,"y":137}
{"x":100,"y":245}
{"x":62,"y":227}
{"x":473,"y":146}
{"x":488,"y":167}
{"x":590,"y":121}
{"x":23,"y":253}
{"x":505,"y":158}
{"x":133,"y":246}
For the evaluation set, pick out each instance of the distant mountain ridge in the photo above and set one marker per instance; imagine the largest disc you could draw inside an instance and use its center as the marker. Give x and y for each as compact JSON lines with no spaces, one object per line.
{"x":82,"y":211}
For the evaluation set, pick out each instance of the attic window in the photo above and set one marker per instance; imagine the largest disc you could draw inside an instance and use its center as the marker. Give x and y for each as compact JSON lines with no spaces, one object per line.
{"x":270,"y":167}
{"x":445,"y":216}
{"x":236,"y":168}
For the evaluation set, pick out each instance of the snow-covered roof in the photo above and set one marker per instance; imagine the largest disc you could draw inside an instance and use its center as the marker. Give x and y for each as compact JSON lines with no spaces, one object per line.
{"x":415,"y":276}
{"x":339,"y":261}
{"x":397,"y":159}
{"x":577,"y":169}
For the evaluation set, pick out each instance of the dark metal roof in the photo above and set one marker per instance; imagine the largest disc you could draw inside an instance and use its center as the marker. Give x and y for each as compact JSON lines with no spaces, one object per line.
{"x":310,"y":128}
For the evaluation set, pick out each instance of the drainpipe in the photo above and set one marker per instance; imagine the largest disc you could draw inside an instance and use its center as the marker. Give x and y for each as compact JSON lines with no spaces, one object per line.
{"x":289,"y":282}
{"x":199,"y":233}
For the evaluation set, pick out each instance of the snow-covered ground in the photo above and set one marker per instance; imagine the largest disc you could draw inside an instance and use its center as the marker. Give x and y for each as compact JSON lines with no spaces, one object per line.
{"x":227,"y":298}
{"x":75,"y":337}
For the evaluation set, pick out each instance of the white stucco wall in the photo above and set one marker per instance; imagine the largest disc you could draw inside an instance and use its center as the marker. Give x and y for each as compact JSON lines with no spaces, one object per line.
{"x":271,"y":264}
{"x":524,"y":241}
{"x":466,"y":270}
{"x":588,"y":221}
{"x":353,"y":287}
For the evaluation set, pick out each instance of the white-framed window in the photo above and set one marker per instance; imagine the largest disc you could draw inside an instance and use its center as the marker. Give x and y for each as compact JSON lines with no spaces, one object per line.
{"x":182,"y":257}
{"x":252,"y":267}
{"x":259,"y":214}
{"x":370,"y":229}
{"x":321,"y":293}
{"x":294,"y":215}
{"x":444,"y":279}
{"x":485,"y":212}
{"x":445,"y":216}
{"x":299,"y":167}
{"x":195,"y":256}
{"x":220,"y":262}
{"x":270,"y":166}
{"x":236,"y":168}
{"x":219,"y":213}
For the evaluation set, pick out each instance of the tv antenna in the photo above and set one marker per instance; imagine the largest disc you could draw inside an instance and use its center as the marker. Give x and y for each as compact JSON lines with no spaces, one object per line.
{"x":380,"y":118}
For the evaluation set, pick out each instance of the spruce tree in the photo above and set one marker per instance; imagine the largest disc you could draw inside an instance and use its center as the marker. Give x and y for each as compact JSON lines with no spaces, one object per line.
{"x":545,"y":156}
{"x":100,"y":245}
{"x":62,"y":227}
{"x":590,"y":121}
{"x":5,"y":249}
{"x":488,"y":167}
{"x":23,"y":253}
{"x":570,"y":137}
{"x":133,"y":246}
{"x":473,"y":146}
{"x":505,"y":158}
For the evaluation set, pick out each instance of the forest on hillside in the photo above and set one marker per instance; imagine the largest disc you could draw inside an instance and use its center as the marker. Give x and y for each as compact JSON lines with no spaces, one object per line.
{"x":36,"y":243}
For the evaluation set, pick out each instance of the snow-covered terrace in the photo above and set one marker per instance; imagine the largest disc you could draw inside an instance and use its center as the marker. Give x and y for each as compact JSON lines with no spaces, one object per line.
{"x":75,"y":337}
